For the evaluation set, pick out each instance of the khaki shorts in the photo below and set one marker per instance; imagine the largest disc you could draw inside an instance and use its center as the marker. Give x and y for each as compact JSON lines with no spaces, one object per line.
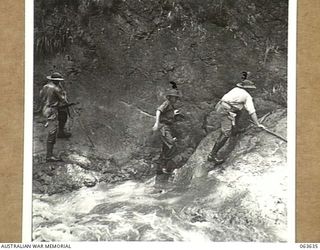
{"x":226,"y":125}
{"x":227,"y":118}
{"x":52,"y":123}
{"x":169,"y":149}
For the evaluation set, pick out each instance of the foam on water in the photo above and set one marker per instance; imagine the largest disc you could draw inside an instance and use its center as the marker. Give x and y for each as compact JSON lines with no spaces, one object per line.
{"x":128,"y":211}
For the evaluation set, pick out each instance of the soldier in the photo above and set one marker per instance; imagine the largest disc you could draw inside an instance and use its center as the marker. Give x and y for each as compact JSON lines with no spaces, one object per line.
{"x":55,"y":110}
{"x":165,"y":118}
{"x":229,"y":107}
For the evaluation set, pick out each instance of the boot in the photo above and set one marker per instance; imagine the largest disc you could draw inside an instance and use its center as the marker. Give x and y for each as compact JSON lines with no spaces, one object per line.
{"x":215,"y":159}
{"x":169,"y":167}
{"x":159,"y":170}
{"x":50,"y":157}
{"x":167,"y":171}
{"x":212,"y":157}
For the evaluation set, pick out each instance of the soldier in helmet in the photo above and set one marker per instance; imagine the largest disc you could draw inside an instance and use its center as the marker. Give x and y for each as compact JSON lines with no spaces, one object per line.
{"x":165,"y":118}
{"x":55,"y":110}
{"x":229,"y":108}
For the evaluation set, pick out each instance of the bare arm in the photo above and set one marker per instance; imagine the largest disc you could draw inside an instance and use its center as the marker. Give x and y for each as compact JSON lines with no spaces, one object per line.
{"x":156,"y":124}
{"x":249,"y":106}
{"x":40,"y":102}
{"x":256,"y":121}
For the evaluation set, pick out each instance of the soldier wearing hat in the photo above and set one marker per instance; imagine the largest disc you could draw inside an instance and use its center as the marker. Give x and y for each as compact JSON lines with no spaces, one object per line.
{"x":55,"y":110}
{"x":165,"y":118}
{"x":229,"y":108}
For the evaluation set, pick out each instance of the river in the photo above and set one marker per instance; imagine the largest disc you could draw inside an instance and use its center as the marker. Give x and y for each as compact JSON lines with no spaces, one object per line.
{"x":145,"y":211}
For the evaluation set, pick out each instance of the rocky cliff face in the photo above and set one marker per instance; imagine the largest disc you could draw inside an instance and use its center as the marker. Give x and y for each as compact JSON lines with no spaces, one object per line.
{"x":118,"y":57}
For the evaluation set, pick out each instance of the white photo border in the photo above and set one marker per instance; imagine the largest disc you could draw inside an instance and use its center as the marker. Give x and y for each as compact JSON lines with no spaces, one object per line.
{"x":291,"y":154}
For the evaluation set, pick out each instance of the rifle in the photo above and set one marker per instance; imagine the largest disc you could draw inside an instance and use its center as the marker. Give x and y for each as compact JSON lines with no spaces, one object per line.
{"x":67,"y":105}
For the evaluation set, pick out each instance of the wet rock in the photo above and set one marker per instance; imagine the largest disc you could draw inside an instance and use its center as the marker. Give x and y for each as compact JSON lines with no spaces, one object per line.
{"x":90,"y":182}
{"x":252,"y":187}
{"x":63,"y":177}
{"x":212,"y":122}
{"x":79,"y":159}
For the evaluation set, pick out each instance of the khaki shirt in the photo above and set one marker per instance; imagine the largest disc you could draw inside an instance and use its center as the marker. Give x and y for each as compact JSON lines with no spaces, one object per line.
{"x":167,"y":113}
{"x":239,"y":98}
{"x":52,"y":95}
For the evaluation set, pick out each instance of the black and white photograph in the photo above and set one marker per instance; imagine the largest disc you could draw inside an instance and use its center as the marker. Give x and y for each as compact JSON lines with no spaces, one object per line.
{"x":160,"y":121}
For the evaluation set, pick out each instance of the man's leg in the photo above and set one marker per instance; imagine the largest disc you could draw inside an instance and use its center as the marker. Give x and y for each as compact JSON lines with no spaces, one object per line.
{"x":169,"y":148}
{"x":62,"y":118}
{"x":51,"y":140}
{"x":237,"y":128}
{"x":170,"y":166}
{"x":221,"y":141}
{"x":226,"y":128}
